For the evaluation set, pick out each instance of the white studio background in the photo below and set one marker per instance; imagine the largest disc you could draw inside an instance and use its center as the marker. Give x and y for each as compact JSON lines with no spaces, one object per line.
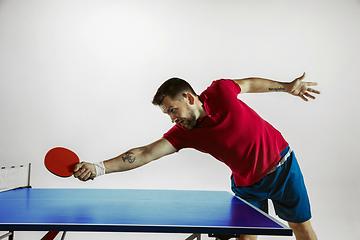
{"x":82,"y":74}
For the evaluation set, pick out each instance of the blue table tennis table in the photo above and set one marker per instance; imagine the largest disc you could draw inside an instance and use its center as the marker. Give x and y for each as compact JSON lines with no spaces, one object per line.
{"x":216,"y":213}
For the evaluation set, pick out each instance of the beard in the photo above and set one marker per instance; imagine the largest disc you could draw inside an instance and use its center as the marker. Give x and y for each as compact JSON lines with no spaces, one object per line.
{"x":188,"y":123}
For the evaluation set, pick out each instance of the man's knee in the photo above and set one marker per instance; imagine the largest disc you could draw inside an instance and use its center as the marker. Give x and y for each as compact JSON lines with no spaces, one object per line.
{"x":303,"y":230}
{"x":247,"y":237}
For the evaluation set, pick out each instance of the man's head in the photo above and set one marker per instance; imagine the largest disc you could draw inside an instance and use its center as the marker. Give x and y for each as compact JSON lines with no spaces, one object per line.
{"x":175,"y":88}
{"x":177,"y":98}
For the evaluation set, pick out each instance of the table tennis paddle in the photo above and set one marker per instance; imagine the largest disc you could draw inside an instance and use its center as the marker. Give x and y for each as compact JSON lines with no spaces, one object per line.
{"x":61,"y":162}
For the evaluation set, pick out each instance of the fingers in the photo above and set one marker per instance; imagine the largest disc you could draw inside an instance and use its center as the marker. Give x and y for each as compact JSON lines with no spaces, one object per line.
{"x":313,"y":90}
{"x":311,"y":83}
{"x":306,"y":95}
{"x":78,"y":166}
{"x":304,"y":98}
{"x":82,"y":174}
{"x":83,"y":171}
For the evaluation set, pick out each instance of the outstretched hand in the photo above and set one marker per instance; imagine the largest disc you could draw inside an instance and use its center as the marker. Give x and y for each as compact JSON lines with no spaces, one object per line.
{"x":302,"y":89}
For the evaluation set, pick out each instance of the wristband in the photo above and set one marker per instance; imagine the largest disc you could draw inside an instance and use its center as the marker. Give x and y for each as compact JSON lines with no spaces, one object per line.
{"x":99,"y":168}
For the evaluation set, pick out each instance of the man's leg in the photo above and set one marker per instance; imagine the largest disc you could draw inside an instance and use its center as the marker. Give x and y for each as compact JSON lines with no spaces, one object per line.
{"x":303,"y":231}
{"x":247,"y":237}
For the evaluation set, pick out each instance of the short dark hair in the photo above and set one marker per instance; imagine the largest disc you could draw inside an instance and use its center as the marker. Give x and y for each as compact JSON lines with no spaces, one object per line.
{"x":173,"y":87}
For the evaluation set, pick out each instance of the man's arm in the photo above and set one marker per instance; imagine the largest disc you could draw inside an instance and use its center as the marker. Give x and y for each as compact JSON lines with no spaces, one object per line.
{"x":260,"y":85}
{"x":131,"y":159}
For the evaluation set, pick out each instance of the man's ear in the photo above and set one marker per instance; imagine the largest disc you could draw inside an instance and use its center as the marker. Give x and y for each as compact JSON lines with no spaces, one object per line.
{"x":190,"y":98}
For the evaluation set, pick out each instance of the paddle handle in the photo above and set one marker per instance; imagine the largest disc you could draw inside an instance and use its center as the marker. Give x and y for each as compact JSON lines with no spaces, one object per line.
{"x":92,"y":176}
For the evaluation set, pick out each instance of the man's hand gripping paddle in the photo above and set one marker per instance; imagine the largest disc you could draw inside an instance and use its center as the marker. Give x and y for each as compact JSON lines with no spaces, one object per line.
{"x":61,"y":162}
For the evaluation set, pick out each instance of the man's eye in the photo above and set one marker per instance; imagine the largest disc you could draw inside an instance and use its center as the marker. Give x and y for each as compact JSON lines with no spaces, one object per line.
{"x":172,"y":110}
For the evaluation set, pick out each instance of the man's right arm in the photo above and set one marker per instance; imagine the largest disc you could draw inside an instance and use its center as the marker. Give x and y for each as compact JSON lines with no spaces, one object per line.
{"x":131,"y":159}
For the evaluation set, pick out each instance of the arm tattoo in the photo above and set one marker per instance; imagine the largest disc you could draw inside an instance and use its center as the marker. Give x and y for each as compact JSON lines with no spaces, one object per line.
{"x":277,"y":89}
{"x":127,"y":157}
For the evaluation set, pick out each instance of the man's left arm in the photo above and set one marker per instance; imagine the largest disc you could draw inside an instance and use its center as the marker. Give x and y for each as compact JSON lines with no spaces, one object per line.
{"x":261,"y":85}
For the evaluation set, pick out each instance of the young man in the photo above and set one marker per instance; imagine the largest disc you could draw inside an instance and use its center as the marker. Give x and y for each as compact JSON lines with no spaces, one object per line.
{"x":216,"y":122}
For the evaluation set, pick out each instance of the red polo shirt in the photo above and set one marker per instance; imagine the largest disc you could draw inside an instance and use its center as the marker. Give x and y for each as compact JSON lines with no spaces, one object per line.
{"x":232,"y":133}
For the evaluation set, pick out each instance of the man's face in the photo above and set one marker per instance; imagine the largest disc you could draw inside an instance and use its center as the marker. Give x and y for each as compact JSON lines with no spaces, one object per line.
{"x":180,"y":111}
